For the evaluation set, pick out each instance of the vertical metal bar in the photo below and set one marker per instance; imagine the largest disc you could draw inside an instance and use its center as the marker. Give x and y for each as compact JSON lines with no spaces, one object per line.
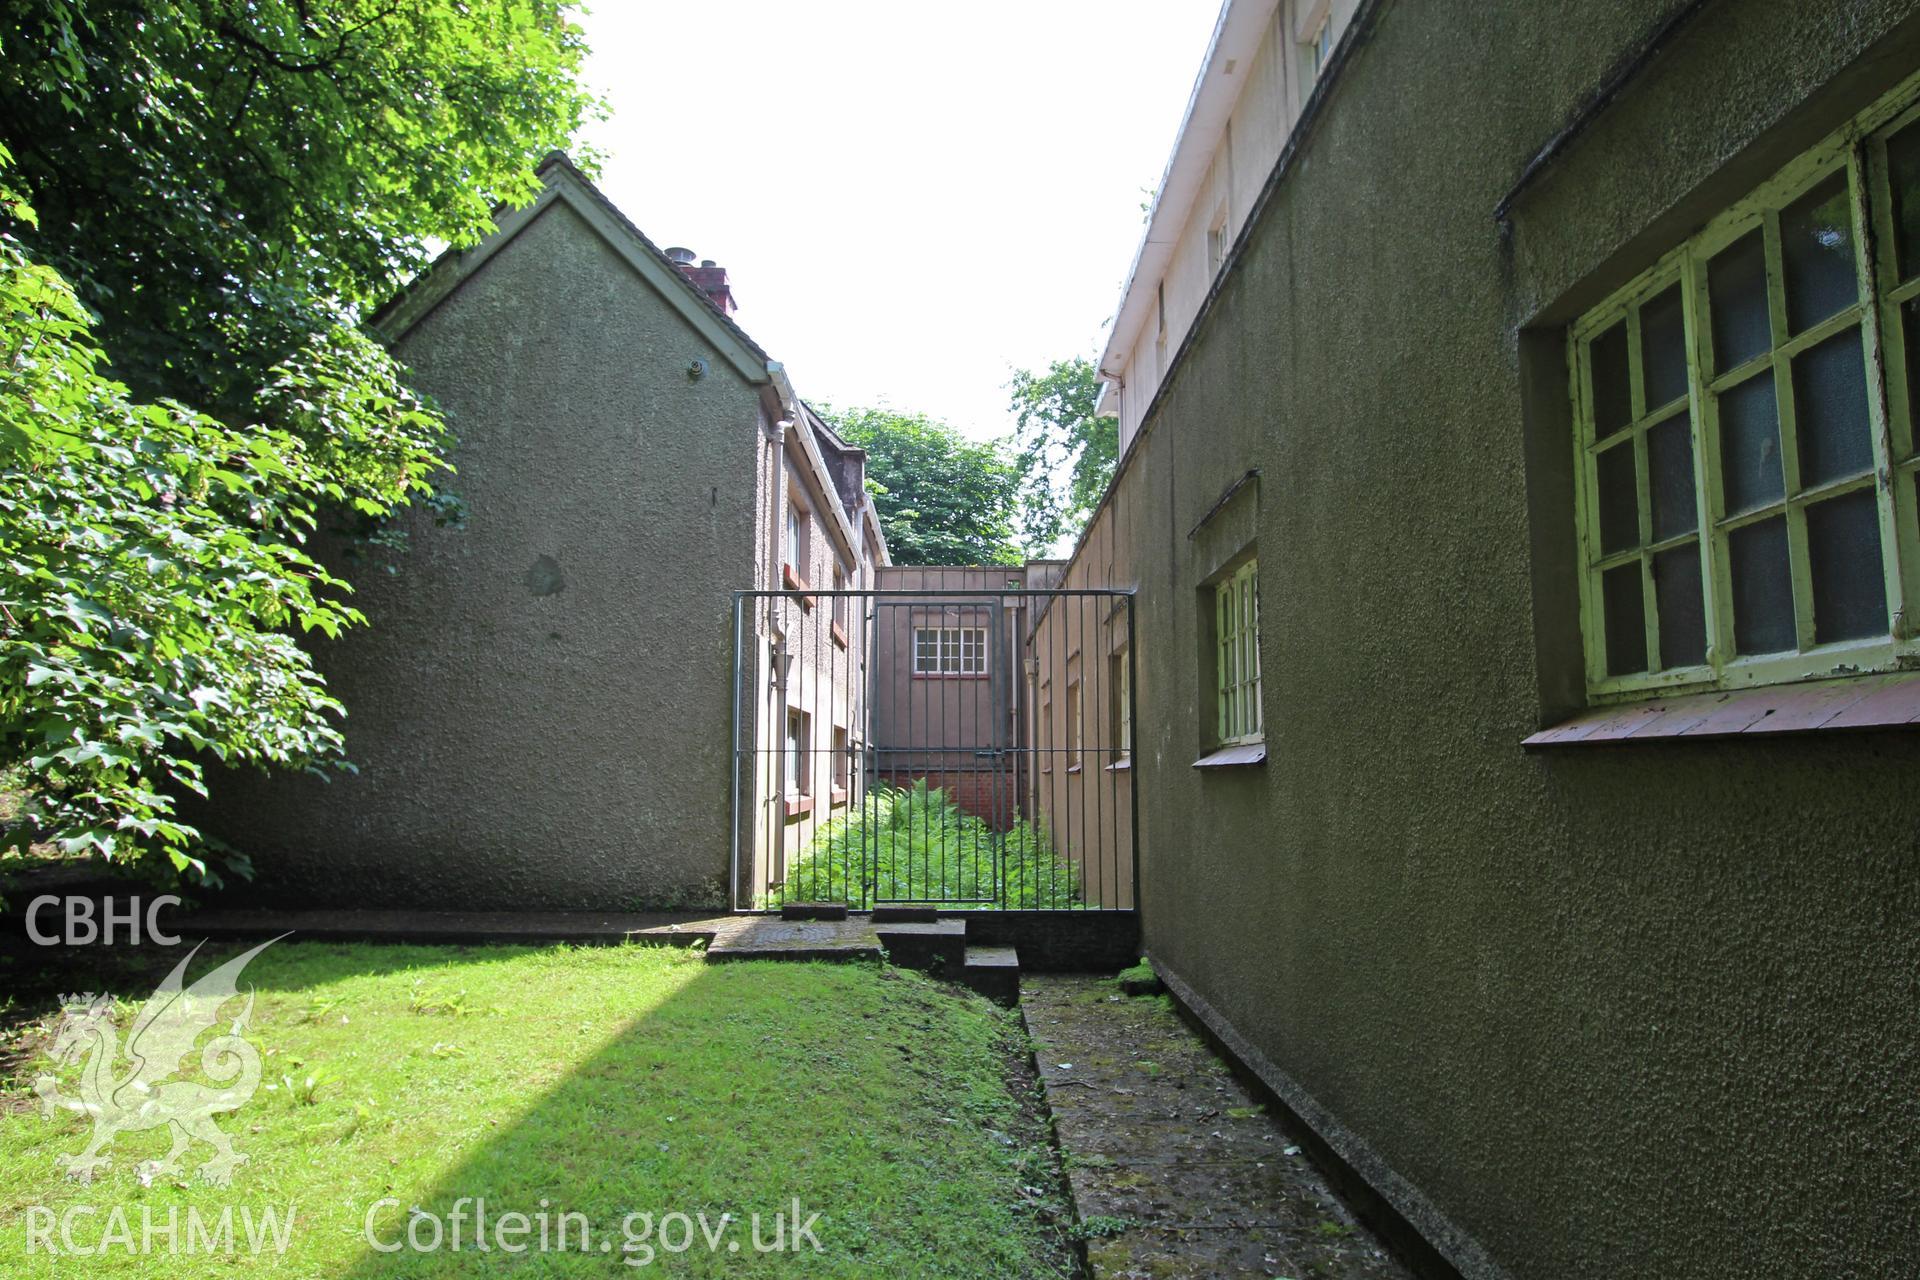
{"x":1063,"y":790}
{"x":1088,"y":832}
{"x":1133,"y":755}
{"x":733,"y":858}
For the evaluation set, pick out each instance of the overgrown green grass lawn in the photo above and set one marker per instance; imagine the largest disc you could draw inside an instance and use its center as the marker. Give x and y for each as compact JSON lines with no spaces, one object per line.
{"x":604,"y":1081}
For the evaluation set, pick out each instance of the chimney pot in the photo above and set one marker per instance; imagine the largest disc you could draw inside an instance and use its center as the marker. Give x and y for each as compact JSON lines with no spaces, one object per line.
{"x":679,"y":256}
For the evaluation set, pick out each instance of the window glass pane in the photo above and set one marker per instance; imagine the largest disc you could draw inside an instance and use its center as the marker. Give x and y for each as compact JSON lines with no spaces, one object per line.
{"x":1612,"y":392}
{"x":1762,"y":588}
{"x":1625,"y":619}
{"x":1910,"y":328}
{"x":1670,"y":477}
{"x":1663,"y":349}
{"x":1830,"y":398}
{"x":1903,"y":175}
{"x":1843,"y":545}
{"x":1737,"y":287}
{"x":1816,"y":252}
{"x":1619,"y":500}
{"x":1750,"y":445}
{"x":1683,"y":614}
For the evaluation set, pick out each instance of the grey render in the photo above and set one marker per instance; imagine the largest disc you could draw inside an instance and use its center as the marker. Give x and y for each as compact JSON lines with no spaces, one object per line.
{"x":540,"y":712}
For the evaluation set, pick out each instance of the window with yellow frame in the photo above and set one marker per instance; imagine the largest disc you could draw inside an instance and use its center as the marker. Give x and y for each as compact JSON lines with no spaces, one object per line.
{"x":1745,"y":430}
{"x":1237,"y":656}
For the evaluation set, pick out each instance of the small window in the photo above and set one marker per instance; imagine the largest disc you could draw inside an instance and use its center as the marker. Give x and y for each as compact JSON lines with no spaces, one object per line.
{"x":1160,"y":327}
{"x":842,"y":765}
{"x":1043,"y":730}
{"x":1745,"y":433}
{"x":797,"y":541}
{"x":1319,"y":48}
{"x":1217,"y":242}
{"x":950,"y":651}
{"x":799,"y":754}
{"x":1076,"y":726}
{"x":840,"y":603}
{"x":1237,"y":656}
{"x":1121,"y":682}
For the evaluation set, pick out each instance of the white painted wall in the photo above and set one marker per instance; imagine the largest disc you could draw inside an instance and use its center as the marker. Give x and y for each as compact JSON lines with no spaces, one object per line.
{"x":1267,"y":93}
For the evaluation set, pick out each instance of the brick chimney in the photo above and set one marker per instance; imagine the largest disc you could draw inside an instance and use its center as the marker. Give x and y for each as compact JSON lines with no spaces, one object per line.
{"x":708,"y":277}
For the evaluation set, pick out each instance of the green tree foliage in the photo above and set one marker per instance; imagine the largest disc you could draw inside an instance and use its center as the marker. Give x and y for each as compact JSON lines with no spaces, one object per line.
{"x":943,"y":499}
{"x":221,"y":179}
{"x":1064,"y":453}
{"x":185,"y":385}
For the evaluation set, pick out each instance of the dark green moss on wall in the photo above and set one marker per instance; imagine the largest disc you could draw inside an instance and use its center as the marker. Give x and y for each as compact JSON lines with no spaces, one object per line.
{"x":1647,"y":1012}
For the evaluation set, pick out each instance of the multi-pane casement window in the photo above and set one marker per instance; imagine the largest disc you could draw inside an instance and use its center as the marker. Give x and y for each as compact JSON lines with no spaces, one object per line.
{"x":1745,"y":422}
{"x":950,"y":651}
{"x":1236,"y":603}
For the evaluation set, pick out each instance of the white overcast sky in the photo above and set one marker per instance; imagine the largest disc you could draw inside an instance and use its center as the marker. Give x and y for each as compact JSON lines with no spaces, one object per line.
{"x":911,"y":199}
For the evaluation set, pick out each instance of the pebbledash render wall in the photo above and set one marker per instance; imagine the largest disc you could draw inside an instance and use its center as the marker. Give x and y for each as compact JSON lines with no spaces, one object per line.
{"x":541,"y":709}
{"x":1631,"y":1013}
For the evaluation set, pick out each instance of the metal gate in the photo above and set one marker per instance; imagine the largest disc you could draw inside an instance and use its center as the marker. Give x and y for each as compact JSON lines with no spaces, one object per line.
{"x":957,"y":748}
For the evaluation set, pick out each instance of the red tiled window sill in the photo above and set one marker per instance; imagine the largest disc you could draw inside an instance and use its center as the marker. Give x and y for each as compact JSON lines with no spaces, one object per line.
{"x":838,"y":797}
{"x":1814,"y":706}
{"x":796,"y":806}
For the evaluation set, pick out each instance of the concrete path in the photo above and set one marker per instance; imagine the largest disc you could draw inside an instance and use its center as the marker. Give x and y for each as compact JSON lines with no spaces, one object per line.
{"x":1175,"y":1170}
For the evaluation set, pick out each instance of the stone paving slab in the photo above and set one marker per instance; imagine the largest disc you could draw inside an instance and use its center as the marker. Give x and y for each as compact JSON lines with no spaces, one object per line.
{"x":1172,"y":1164}
{"x":771,"y":938}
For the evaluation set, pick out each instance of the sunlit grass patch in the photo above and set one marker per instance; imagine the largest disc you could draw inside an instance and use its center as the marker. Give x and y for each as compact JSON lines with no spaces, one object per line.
{"x":604,"y":1082}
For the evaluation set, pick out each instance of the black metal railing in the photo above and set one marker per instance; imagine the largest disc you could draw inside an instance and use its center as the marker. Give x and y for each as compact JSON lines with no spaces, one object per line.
{"x":945,"y":747}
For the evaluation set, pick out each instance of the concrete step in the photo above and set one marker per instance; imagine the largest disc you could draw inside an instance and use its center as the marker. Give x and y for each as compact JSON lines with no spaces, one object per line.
{"x":813,"y":911}
{"x":906,"y":915}
{"x":770,"y":938}
{"x":939,"y":946}
{"x":994,"y":972}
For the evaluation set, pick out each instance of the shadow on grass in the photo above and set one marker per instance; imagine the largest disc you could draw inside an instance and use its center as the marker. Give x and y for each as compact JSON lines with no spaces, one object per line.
{"x":607,"y":1083}
{"x":872,"y":1099}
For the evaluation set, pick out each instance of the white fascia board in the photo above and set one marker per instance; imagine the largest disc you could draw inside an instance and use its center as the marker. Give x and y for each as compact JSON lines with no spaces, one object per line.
{"x":1236,"y":39}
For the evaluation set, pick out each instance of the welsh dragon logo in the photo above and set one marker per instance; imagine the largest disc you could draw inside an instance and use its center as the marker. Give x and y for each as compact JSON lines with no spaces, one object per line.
{"x":143,"y":1093}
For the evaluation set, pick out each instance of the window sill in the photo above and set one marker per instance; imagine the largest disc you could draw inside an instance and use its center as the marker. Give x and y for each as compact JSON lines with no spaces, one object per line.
{"x":1240,"y":754}
{"x":1120,"y":766}
{"x":797,"y":806}
{"x":1073,"y":768}
{"x":1851,"y":702}
{"x":950,"y":675}
{"x":837,"y":798}
{"x":794,"y":582}
{"x":839,"y":635}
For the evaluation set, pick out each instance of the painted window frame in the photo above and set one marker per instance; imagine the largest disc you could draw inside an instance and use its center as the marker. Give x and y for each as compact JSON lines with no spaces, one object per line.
{"x":1043,"y":727}
{"x":1880,"y":313}
{"x":797,"y":545}
{"x":1076,"y":725}
{"x":842,"y":765}
{"x":965,"y":664}
{"x":1121,"y":682}
{"x":1239,"y":718}
{"x":841,"y":604}
{"x":799,"y":752}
